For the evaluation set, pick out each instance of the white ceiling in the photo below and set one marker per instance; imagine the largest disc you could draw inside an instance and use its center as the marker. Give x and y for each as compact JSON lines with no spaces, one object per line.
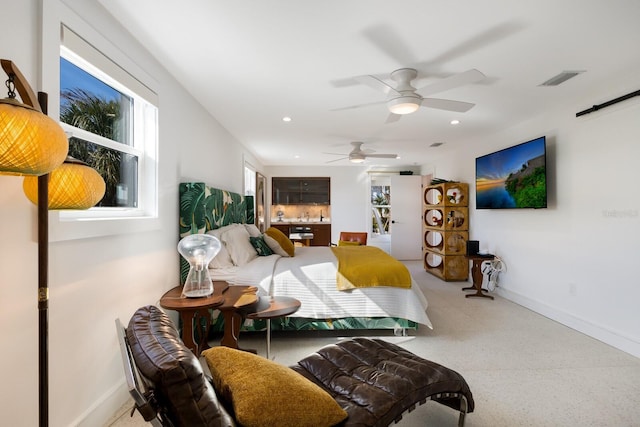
{"x":250,"y":63}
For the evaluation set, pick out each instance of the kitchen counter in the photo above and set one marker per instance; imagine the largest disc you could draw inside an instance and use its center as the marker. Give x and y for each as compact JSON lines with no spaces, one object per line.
{"x":320,"y":231}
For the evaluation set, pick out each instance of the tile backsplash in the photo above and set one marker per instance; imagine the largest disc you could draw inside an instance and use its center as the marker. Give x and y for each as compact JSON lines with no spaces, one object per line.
{"x":295,"y":212}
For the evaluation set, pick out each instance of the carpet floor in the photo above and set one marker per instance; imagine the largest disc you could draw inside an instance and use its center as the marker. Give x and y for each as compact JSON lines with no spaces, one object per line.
{"x":523,"y":369}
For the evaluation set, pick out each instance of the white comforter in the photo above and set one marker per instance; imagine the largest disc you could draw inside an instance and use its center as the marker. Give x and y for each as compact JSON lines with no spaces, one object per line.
{"x":310,"y":277}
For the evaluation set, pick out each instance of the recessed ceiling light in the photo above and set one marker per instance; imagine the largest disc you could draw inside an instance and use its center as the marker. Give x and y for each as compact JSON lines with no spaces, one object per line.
{"x":455,"y":122}
{"x":286,"y":119}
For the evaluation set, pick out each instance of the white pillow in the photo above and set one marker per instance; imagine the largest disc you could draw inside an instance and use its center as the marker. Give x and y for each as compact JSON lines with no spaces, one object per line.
{"x":236,"y":239}
{"x":274,"y":245}
{"x":223,"y":259}
{"x":253,"y":230}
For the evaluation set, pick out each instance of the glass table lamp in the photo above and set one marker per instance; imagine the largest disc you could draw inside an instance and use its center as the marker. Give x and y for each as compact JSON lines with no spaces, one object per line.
{"x":198,"y":250}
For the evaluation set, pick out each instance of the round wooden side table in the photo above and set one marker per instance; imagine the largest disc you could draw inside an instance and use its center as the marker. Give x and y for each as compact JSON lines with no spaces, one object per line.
{"x":270,"y":307}
{"x":194,"y":310}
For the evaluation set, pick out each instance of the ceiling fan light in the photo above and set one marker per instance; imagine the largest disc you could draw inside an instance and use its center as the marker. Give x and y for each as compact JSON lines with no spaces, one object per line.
{"x":356,"y":157}
{"x":404,"y":105}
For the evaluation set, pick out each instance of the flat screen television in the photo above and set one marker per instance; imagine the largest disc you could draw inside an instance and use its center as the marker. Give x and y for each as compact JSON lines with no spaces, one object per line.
{"x":513,"y":178}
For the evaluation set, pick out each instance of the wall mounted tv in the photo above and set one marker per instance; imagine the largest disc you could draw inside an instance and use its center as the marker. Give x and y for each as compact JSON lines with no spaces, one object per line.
{"x":515,"y":177}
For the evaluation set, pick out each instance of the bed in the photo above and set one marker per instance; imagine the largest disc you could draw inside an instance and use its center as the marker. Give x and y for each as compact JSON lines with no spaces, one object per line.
{"x":309,"y":275}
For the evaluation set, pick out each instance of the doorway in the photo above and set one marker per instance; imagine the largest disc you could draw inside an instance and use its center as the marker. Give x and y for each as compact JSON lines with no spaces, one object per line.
{"x":395,"y":209}
{"x":380,"y":211}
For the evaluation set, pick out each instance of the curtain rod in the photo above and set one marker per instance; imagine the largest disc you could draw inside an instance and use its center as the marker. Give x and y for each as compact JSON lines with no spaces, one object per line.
{"x":608,"y":103}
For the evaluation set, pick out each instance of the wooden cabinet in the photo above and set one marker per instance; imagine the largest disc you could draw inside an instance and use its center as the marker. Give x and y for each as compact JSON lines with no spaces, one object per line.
{"x":321,"y":232}
{"x":445,"y":229}
{"x":301,"y":191}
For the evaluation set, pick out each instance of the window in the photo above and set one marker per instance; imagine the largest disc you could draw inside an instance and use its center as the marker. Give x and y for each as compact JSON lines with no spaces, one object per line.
{"x":112,"y":122}
{"x":249,"y":180}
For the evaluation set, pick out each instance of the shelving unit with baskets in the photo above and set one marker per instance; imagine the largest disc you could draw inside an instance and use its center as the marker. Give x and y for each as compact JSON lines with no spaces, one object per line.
{"x":445,"y":229}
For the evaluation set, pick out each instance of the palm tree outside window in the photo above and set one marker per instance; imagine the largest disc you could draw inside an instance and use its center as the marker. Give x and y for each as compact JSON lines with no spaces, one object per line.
{"x":108,"y":108}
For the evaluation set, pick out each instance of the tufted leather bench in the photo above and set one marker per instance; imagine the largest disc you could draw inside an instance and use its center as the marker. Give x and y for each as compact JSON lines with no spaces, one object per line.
{"x":374,"y":381}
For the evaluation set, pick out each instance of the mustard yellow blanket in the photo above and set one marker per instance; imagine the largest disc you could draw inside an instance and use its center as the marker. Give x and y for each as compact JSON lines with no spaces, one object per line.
{"x":366,"y":266}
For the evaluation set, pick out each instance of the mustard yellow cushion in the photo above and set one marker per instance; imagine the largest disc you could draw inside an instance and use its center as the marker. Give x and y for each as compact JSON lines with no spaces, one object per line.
{"x":264,"y":393}
{"x":282,"y":239}
{"x":347,"y":243}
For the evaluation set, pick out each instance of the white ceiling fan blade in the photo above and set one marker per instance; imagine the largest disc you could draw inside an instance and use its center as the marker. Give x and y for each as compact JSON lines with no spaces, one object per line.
{"x":447,"y":104}
{"x":337,"y":160}
{"x":383,"y":156}
{"x":352,"y":107}
{"x":389,"y":41}
{"x":375,"y":83}
{"x":392,"y":118}
{"x":468,"y":77}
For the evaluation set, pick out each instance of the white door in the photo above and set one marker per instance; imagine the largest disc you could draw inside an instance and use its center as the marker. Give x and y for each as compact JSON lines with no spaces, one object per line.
{"x":406,"y":217}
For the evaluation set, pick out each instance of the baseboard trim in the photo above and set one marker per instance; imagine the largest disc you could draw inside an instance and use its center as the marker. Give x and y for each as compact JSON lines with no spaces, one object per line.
{"x":104,"y":409}
{"x":599,"y":332}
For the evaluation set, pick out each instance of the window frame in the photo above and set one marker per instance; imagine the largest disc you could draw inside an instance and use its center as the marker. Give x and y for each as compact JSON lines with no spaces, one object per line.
{"x":95,"y":222}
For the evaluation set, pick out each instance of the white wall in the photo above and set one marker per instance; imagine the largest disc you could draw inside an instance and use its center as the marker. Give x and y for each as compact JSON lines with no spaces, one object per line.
{"x":575,"y":262}
{"x":93,"y":281}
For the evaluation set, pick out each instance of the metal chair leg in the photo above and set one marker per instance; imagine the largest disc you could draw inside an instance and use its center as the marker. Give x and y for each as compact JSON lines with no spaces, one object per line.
{"x":269,"y":339}
{"x":463,"y":410}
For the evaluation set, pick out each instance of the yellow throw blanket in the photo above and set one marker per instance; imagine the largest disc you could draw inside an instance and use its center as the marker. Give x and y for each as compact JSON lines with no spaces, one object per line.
{"x":366,"y":266}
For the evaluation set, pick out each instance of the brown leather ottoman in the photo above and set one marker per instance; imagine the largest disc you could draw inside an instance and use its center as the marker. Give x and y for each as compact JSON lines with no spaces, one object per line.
{"x":376,"y":381}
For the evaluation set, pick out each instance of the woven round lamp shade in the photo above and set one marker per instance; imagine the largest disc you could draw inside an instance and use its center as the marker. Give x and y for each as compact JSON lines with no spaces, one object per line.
{"x":31,"y":143}
{"x":73,"y":185}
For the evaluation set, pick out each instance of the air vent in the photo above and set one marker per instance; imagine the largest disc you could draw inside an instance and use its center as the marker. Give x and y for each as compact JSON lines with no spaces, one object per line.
{"x":561,"y":78}
{"x":436,"y":144}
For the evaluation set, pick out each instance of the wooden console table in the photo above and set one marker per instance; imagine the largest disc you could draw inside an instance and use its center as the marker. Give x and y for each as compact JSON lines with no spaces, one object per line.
{"x":476,"y":275}
{"x":194,"y":311}
{"x":233,"y":314}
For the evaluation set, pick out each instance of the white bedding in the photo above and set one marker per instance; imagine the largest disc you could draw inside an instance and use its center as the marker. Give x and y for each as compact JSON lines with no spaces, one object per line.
{"x":310,"y":276}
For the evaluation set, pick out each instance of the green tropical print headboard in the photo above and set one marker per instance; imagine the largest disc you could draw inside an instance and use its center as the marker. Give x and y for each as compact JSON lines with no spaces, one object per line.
{"x":204,"y":208}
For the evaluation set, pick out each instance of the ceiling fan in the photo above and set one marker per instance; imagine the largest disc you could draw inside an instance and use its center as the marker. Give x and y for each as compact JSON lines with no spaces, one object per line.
{"x":358,"y":155}
{"x":403,"y":98}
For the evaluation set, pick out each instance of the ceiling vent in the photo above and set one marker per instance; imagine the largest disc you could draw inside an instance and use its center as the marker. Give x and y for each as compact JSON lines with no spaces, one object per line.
{"x":436,"y":144}
{"x":561,"y":78}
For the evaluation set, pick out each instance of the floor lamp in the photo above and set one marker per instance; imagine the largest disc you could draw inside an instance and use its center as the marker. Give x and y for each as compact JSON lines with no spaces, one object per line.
{"x":34,"y":145}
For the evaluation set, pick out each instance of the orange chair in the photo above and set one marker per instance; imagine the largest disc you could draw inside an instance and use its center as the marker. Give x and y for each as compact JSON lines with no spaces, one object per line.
{"x":353,"y":236}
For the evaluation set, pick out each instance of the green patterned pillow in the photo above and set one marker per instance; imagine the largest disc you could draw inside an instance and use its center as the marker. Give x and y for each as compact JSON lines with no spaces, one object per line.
{"x":261,"y":246}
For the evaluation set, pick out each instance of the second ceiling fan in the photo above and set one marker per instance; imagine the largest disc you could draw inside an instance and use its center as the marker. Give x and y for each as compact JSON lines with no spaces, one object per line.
{"x":358,"y":155}
{"x":404,"y":98}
